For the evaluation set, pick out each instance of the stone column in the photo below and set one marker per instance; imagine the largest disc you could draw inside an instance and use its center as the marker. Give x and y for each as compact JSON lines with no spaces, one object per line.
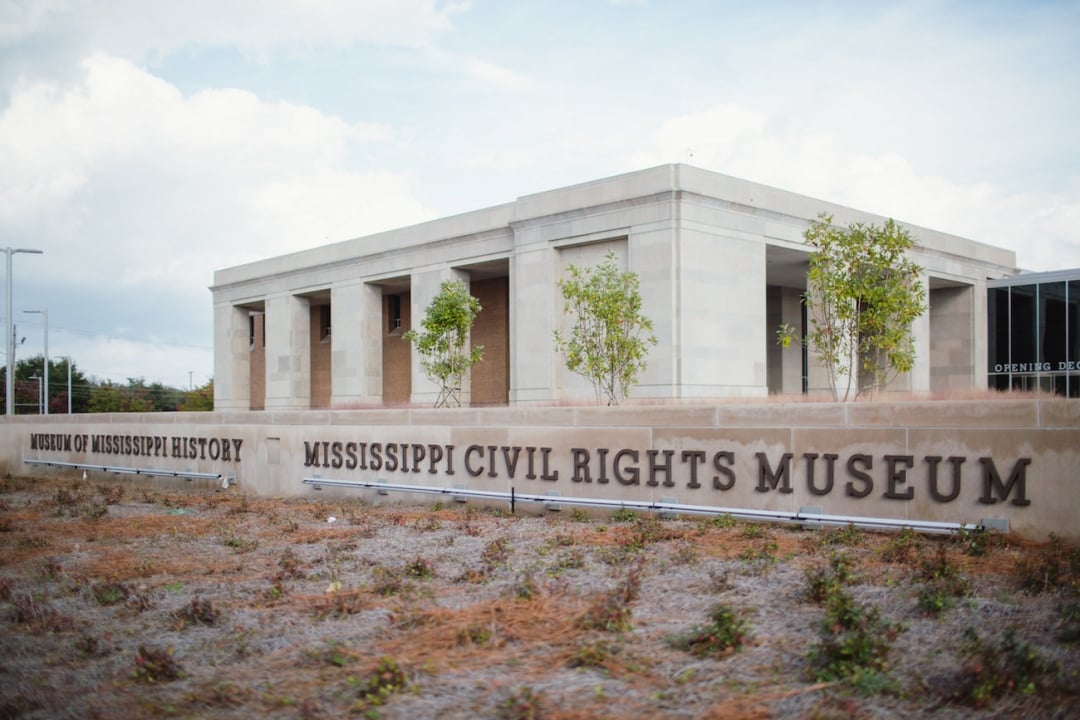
{"x":232,"y":381}
{"x":356,"y":345}
{"x":979,"y":338}
{"x":288,"y":357}
{"x":723,"y":312}
{"x":919,"y":377}
{"x":533,"y":299}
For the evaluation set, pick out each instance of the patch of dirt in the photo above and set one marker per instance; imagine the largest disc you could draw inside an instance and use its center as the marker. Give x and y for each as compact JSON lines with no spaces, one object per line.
{"x":120,"y":598}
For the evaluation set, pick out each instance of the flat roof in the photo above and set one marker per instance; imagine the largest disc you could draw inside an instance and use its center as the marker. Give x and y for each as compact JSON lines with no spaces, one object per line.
{"x":1033,"y":278}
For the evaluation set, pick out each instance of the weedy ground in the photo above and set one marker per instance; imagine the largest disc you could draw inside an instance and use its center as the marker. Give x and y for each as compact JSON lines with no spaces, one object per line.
{"x":122,"y":599}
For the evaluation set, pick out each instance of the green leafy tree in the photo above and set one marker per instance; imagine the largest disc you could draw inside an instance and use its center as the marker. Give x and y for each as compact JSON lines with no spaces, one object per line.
{"x":863,"y":293}
{"x":27,"y":390}
{"x":111,"y":397}
{"x":609,"y":342}
{"x":442,"y":340}
{"x":201,"y":399}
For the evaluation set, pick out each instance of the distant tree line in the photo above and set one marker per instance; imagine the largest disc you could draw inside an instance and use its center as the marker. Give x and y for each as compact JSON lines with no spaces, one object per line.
{"x":91,"y":395}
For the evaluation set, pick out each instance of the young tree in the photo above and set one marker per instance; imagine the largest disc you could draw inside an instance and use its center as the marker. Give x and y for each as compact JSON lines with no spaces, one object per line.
{"x":610,"y":339}
{"x":441,"y":342}
{"x":863,"y":293}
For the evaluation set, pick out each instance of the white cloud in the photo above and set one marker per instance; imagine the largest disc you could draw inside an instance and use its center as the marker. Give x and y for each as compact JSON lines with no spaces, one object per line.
{"x":1041,"y":227}
{"x":143,"y":30}
{"x":125,"y":160}
{"x":138,"y":193}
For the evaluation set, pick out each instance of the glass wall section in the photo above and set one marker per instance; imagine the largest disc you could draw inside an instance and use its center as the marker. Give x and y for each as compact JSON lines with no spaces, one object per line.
{"x":1072,"y":341}
{"x":997,"y":308}
{"x":1023,"y":321}
{"x":1033,"y":333}
{"x":1053,"y":334}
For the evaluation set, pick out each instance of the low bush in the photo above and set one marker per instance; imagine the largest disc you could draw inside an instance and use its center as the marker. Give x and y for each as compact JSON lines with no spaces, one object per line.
{"x":853,"y":644}
{"x":154,"y":664}
{"x":725,"y":634}
{"x":996,"y":669}
{"x":1052,"y":566}
{"x":823,"y":581}
{"x":942,"y":583}
{"x":382,"y":680}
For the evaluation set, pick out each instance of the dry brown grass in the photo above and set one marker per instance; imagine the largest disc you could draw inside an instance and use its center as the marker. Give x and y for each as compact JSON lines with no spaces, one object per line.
{"x":286,"y":612}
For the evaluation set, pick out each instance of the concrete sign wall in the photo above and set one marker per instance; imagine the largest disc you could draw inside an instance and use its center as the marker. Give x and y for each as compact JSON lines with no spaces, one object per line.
{"x":965,"y":461}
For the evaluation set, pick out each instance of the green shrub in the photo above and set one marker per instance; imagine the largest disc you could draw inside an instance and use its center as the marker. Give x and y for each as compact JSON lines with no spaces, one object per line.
{"x":1052,"y":566}
{"x":758,"y":560}
{"x":992,"y":671}
{"x":903,"y":548}
{"x":524,"y":704}
{"x":823,"y":581}
{"x":976,"y":542}
{"x":848,"y":536}
{"x":197,"y":612}
{"x":1070,"y":622}
{"x":593,"y":654}
{"x":495,"y":553}
{"x":383,"y":679}
{"x":420,"y":568}
{"x":942,"y":583}
{"x":154,"y":664}
{"x":853,"y":643}
{"x":725,"y":634}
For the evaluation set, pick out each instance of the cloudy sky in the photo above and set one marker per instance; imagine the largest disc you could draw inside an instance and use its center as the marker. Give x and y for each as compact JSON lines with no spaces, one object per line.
{"x":145,"y":144}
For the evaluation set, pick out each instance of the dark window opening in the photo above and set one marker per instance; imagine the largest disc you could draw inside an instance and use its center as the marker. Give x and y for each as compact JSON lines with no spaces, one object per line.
{"x":324,"y":323}
{"x":393,"y":313}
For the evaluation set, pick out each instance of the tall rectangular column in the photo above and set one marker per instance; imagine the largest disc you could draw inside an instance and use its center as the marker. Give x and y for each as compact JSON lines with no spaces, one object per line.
{"x":919,"y":377}
{"x":356,"y":344}
{"x":533,"y":360}
{"x":721,"y":296}
{"x":232,"y":365}
{"x":288,"y":372}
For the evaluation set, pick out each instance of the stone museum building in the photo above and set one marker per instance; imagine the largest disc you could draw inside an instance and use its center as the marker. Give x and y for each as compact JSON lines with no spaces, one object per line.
{"x":721,"y":261}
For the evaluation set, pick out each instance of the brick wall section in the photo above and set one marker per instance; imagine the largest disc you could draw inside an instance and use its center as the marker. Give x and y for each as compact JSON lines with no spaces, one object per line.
{"x":490,"y":381}
{"x":320,"y":361}
{"x":257,"y":364}
{"x":396,"y":354}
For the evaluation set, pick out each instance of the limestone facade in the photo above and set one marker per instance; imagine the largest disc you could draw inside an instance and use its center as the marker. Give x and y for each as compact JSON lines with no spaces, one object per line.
{"x":721,"y":262}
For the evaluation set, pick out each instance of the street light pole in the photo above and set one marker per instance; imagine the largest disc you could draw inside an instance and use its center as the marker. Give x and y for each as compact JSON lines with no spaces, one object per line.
{"x":45,"y":314}
{"x":10,"y":342}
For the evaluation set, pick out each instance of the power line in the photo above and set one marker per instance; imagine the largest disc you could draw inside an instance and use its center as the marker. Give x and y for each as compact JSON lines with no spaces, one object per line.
{"x":110,"y":337}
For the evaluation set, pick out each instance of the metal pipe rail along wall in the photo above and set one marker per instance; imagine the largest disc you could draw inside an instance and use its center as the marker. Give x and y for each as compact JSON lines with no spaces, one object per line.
{"x":513,"y":497}
{"x":154,"y":472}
